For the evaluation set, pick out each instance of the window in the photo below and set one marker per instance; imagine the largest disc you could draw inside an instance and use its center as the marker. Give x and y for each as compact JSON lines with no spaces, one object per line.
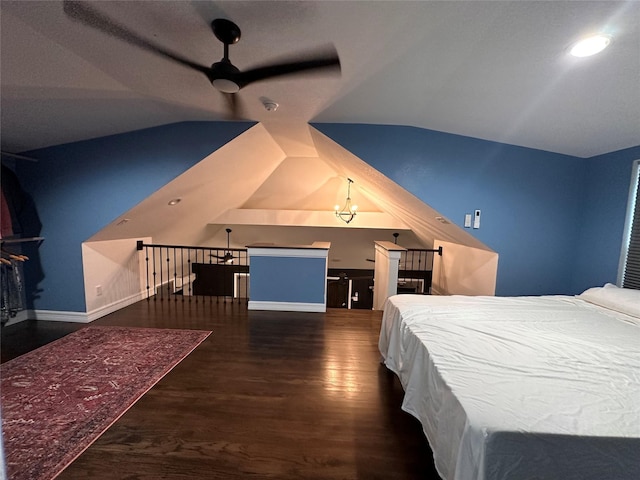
{"x":629,"y":276}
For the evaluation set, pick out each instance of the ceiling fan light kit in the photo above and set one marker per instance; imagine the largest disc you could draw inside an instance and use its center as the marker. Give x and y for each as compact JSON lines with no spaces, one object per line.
{"x":225,"y":86}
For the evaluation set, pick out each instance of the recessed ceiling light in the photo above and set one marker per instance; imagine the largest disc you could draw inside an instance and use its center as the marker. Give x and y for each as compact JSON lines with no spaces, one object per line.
{"x":174,"y":201}
{"x":590,"y":45}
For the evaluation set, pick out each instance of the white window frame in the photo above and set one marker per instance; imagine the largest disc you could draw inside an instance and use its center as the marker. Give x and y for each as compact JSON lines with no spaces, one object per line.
{"x":628,"y":224}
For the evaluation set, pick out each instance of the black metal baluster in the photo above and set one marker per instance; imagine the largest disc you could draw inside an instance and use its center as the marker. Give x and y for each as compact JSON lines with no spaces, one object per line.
{"x":197,"y":296}
{"x":153,"y":257}
{"x":225,"y":276}
{"x":146,"y":261}
{"x":420,"y":270}
{"x":189,"y":265}
{"x":210,"y":255}
{"x":182,"y":271}
{"x":175,"y":275}
{"x":161,"y":269}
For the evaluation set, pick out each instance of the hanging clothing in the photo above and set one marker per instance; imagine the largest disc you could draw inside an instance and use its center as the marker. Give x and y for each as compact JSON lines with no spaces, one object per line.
{"x":11,"y":292}
{"x":19,"y":221}
{"x":22,"y":212}
{"x":6,"y":228}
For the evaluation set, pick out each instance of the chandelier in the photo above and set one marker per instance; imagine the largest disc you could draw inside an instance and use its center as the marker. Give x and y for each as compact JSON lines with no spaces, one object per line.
{"x":347,"y":212}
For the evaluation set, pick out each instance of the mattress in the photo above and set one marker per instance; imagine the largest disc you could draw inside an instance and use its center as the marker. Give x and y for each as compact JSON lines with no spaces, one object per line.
{"x":519,"y":387}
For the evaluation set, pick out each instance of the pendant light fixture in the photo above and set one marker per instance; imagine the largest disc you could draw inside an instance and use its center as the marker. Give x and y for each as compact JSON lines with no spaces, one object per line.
{"x":348,"y":212}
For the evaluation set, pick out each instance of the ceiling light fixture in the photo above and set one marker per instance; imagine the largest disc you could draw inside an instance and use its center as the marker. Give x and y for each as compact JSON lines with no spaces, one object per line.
{"x":174,"y":201}
{"x":590,"y":45}
{"x":347,"y":212}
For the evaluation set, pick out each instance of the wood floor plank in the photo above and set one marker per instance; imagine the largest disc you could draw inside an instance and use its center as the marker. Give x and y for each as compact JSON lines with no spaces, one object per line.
{"x":269,"y":395}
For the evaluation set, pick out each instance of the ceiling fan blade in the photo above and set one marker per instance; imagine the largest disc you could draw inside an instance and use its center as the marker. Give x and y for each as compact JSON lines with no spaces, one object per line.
{"x":227,"y":258}
{"x":222,"y":257}
{"x":86,"y":14}
{"x":327,"y":61}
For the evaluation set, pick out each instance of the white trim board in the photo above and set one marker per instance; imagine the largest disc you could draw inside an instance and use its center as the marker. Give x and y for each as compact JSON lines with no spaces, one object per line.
{"x":58,"y":316}
{"x":115,"y":306}
{"x":21,"y":316}
{"x":287,"y":306}
{"x":288,"y":252}
{"x":75,"y":317}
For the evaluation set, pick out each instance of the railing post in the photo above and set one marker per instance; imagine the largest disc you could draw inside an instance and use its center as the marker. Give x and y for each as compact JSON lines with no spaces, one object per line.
{"x":386,"y":272}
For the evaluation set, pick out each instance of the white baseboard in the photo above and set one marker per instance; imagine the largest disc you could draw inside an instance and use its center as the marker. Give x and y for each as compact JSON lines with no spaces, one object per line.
{"x":58,"y":316}
{"x":115,"y":306}
{"x":287,"y":306}
{"x":21,"y":316}
{"x":77,"y":317}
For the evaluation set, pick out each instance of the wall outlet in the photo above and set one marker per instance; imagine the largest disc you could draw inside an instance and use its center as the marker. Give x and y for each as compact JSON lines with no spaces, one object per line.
{"x":98,"y":290}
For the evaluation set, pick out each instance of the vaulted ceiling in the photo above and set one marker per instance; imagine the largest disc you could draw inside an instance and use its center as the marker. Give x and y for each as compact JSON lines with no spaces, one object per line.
{"x":270,"y":196}
{"x":496,"y":70}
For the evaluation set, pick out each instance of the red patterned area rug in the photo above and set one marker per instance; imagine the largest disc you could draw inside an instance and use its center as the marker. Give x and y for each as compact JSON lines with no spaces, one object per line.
{"x":60,"y":398}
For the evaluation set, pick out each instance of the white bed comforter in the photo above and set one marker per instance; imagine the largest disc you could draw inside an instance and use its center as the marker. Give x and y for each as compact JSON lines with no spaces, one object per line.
{"x":519,"y":388}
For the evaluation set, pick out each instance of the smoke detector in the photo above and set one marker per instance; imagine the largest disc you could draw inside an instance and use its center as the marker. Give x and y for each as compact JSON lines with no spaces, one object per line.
{"x":269,"y":105}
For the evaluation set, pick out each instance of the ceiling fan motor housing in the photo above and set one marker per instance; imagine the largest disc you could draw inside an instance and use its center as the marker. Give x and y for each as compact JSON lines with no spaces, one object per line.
{"x":221,"y":77}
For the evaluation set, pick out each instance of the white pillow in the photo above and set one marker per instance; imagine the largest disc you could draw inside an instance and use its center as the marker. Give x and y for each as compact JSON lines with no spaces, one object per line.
{"x":624,"y":300}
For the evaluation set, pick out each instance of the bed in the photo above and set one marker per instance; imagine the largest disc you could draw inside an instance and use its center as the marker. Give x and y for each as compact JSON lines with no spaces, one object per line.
{"x":521,"y":387}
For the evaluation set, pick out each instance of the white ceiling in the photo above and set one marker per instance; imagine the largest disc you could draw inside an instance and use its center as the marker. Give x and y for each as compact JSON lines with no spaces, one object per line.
{"x":495,"y":70}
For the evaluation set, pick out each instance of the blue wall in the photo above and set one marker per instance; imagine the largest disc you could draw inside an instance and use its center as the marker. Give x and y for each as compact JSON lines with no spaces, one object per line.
{"x":531,"y":200}
{"x":555,"y":220}
{"x":288,"y":279}
{"x":602,"y":218}
{"x":78,"y":188}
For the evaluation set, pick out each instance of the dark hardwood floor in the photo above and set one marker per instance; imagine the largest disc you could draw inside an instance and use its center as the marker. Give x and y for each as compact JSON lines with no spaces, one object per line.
{"x":271,"y":395}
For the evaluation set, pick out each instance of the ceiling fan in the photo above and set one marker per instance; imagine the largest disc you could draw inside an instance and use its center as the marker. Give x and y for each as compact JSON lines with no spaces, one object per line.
{"x":224,"y":76}
{"x":228,"y":256}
